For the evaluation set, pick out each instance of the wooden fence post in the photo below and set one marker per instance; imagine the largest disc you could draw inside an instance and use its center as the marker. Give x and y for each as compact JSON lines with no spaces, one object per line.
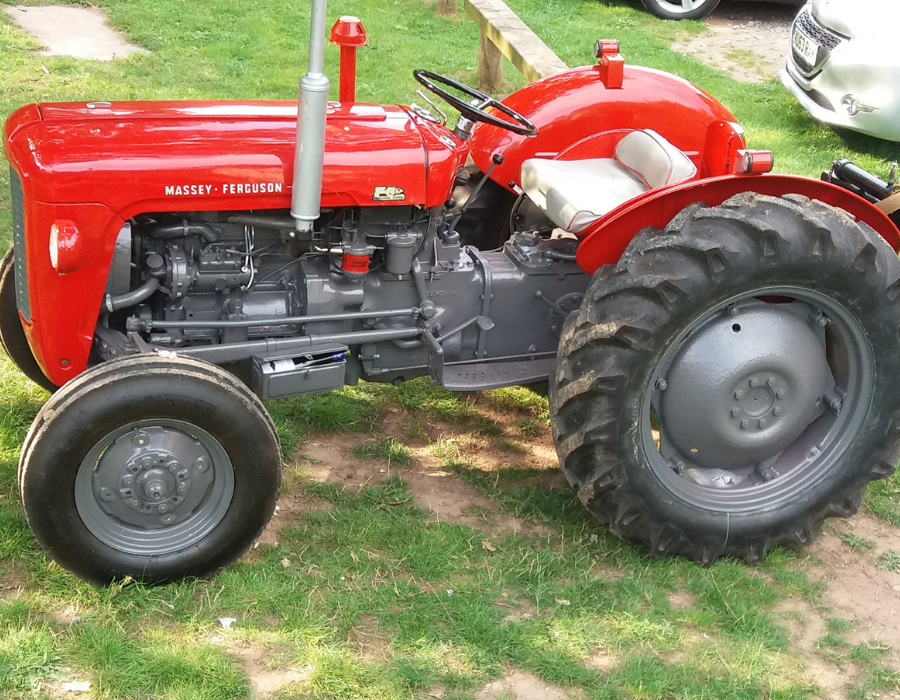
{"x":490,"y":64}
{"x":447,"y":8}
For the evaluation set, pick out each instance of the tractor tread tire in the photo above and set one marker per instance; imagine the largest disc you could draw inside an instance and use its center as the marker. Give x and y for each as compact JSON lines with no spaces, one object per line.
{"x":610,"y":346}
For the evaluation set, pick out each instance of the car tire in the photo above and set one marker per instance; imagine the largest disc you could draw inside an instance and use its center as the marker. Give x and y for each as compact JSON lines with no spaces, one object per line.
{"x":676,"y":9}
{"x":733,"y":380}
{"x":149,"y":467}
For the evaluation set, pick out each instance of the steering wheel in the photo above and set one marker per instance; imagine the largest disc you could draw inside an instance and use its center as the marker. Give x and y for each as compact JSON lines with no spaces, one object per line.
{"x":476,"y":112}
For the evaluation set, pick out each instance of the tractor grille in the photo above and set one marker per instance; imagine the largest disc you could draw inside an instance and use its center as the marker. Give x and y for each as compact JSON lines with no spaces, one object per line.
{"x":827,"y":40}
{"x":18,"y":215}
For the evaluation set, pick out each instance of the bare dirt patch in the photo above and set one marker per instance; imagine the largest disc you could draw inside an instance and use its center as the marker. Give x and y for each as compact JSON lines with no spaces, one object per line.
{"x":517,"y":685}
{"x":682,"y":600}
{"x":855,"y":588}
{"x":289,"y":509}
{"x":265,"y":680}
{"x":12,"y":581}
{"x":601,"y":660}
{"x":435,"y":489}
{"x":369,"y":642}
{"x":805,"y":629}
{"x":749,"y":41}
{"x":514,"y":609}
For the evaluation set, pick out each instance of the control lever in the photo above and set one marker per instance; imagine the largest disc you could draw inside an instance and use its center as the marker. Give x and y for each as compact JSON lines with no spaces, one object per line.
{"x":496,"y":159}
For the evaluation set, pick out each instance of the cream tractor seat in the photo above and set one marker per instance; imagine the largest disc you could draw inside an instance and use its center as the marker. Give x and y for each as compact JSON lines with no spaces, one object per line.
{"x":575,"y":193}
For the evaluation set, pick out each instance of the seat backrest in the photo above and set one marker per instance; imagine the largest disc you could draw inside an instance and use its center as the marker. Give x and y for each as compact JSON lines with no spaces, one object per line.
{"x":653,"y":160}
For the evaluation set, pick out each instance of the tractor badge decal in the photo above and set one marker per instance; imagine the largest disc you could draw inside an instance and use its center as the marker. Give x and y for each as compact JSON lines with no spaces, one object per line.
{"x":388,"y":194}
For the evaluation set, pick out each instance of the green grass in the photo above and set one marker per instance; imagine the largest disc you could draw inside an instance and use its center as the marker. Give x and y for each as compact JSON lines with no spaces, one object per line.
{"x":378,"y":599}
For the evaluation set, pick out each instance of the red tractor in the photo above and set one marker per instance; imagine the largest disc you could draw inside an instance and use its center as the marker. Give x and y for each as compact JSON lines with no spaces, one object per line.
{"x":720,"y":341}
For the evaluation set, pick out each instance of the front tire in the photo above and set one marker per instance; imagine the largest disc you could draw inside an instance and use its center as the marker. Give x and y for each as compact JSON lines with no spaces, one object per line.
{"x":733,"y":381}
{"x":12,"y":337}
{"x":154,"y":468}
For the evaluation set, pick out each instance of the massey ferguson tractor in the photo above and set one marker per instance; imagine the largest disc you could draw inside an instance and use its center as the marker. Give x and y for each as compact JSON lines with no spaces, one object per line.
{"x":721,"y":342}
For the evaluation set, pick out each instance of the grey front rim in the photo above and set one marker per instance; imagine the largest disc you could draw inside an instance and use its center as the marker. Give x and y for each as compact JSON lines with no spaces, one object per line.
{"x":758,"y":400}
{"x":681,"y":7}
{"x":154,"y":487}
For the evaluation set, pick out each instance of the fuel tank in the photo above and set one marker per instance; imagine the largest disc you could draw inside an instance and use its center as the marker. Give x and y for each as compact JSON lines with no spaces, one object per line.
{"x":135,"y":157}
{"x":577,"y":116}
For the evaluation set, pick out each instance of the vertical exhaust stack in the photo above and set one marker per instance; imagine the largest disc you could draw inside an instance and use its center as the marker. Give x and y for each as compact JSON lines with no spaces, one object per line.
{"x":309,"y":157}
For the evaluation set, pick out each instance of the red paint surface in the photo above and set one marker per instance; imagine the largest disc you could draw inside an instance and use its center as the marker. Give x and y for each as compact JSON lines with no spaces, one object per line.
{"x":573,"y":106}
{"x":99,"y":167}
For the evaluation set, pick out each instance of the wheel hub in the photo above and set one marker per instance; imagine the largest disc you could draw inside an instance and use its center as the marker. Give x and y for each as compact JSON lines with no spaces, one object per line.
{"x":160,"y":476}
{"x":745,"y":386}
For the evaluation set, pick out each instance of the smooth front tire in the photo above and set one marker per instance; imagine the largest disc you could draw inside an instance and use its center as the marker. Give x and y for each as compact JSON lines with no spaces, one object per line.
{"x":150,"y":467}
{"x":12,"y":336}
{"x":733,"y":381}
{"x":680,"y":9}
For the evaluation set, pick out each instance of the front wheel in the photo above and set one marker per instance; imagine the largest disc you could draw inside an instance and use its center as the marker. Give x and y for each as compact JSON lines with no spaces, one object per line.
{"x":733,"y":381}
{"x":157,"y":468}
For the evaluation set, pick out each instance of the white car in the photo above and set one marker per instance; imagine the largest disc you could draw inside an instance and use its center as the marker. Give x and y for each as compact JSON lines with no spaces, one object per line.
{"x":844,"y":66}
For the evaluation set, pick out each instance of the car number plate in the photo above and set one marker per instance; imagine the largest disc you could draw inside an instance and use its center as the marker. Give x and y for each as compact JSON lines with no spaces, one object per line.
{"x":805,"y":47}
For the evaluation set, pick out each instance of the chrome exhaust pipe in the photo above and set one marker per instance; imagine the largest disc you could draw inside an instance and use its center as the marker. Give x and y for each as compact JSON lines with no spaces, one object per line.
{"x":309,"y":156}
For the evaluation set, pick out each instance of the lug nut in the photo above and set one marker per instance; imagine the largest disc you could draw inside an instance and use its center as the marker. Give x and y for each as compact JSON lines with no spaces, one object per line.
{"x":762,"y":423}
{"x":771,"y":381}
{"x":135,"y":503}
{"x":735,"y":412}
{"x":739,"y":394}
{"x":780,"y":393}
{"x":182,"y":489}
{"x":744,"y":424}
{"x":777,"y":410}
{"x":162,"y":508}
{"x":754,"y":382}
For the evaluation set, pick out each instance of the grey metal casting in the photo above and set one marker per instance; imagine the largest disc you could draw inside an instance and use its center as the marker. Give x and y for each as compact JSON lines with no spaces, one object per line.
{"x":154,"y":487}
{"x":749,"y":409}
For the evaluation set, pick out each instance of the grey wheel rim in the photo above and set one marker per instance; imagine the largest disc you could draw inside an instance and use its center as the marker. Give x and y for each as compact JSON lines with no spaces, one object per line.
{"x":154,"y":487}
{"x":758,"y":400}
{"x":681,"y":7}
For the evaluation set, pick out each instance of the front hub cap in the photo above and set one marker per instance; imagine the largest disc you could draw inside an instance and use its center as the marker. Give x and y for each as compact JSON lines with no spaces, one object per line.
{"x":745,"y":387}
{"x":154,"y":487}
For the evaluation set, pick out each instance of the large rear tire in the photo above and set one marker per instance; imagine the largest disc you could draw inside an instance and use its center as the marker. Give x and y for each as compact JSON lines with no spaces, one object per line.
{"x":12,"y":337}
{"x":733,"y":381}
{"x":156,"y":468}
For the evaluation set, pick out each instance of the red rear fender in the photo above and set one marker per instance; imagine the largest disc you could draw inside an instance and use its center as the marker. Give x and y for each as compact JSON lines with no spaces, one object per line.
{"x":606,"y":240}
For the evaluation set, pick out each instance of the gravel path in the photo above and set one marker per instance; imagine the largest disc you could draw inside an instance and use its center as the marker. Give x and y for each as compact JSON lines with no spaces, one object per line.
{"x":747,"y":40}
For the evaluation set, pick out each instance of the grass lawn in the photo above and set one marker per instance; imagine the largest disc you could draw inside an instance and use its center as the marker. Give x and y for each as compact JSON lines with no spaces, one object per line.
{"x":425,"y":546}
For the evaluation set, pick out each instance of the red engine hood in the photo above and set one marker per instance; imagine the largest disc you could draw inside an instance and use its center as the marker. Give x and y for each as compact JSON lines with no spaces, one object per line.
{"x":135,"y":157}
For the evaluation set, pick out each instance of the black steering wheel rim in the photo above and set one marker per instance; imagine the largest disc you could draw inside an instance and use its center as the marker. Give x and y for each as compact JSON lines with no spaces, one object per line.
{"x":519,"y":124}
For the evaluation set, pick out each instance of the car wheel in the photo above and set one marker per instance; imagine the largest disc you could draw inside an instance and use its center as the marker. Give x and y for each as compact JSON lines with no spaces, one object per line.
{"x":733,"y":381}
{"x":154,"y":468}
{"x":680,"y":9}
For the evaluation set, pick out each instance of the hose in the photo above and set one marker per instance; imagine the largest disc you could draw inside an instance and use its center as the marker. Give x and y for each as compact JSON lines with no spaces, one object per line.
{"x":206,"y":232}
{"x":135,"y":296}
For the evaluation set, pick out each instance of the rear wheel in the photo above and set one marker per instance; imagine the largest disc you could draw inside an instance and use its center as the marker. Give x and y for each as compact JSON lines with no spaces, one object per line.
{"x":680,"y":9}
{"x":12,"y":337}
{"x":733,"y":381}
{"x":157,"y":468}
